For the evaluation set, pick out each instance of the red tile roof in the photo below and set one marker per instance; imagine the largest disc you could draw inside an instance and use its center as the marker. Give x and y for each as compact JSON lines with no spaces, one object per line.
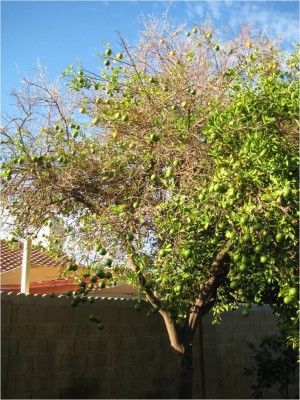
{"x":55,"y":286}
{"x":11,"y":258}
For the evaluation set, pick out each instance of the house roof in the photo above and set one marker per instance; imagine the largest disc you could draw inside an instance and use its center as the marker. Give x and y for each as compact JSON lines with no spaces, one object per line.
{"x":60,"y":286}
{"x":11,"y":258}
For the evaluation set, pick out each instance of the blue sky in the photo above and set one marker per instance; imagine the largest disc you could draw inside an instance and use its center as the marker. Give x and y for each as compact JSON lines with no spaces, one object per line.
{"x":56,"y":33}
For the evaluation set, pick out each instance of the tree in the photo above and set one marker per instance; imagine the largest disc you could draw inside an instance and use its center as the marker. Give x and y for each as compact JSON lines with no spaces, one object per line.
{"x":180,"y":166}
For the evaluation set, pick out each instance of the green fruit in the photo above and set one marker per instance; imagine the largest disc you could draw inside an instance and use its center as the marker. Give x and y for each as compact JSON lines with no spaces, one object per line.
{"x":95,"y":121}
{"x":247,"y":238}
{"x":293,"y":291}
{"x":72,"y":267}
{"x":201,"y":196}
{"x":169,"y":172}
{"x":236,"y":257}
{"x":102,"y":251}
{"x":108,"y":52}
{"x":137,"y":307}
{"x":258,"y":227}
{"x":286,"y":192}
{"x":98,"y":247}
{"x":108,"y":262}
{"x":187,"y":33}
{"x":177,"y":289}
{"x":82,"y":110}
{"x":245,"y":259}
{"x":119,"y":56}
{"x":187,"y":253}
{"x":92,"y":317}
{"x":101,"y":285}
{"x":100,"y":325}
{"x":233,"y":285}
{"x":245,"y":312}
{"x":93,"y":278}
{"x":216,"y":47}
{"x":258,"y":248}
{"x":243,"y":267}
{"x":248,"y":305}
{"x":263,"y":259}
{"x":106,"y":63}
{"x":195,"y":30}
{"x":279,"y":237}
{"x":176,"y":163}
{"x":117,"y":115}
{"x":75,"y":134}
{"x":77,"y":299}
{"x":100,"y":273}
{"x":153,"y":177}
{"x":125,"y":118}
{"x":219,"y":188}
{"x":238,"y":277}
{"x":90,"y":286}
{"x":108,"y":275}
{"x":91,"y":300}
{"x":287,"y":300}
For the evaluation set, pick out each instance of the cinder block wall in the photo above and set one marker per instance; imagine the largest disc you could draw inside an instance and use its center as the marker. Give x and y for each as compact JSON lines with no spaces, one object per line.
{"x":52,"y":350}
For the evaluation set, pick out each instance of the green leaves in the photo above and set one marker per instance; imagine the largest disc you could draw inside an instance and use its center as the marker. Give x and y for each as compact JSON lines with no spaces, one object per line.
{"x":166,"y":170}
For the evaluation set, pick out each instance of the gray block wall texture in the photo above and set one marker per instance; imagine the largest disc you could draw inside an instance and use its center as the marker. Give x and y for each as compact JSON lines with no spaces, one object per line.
{"x":51,"y":350}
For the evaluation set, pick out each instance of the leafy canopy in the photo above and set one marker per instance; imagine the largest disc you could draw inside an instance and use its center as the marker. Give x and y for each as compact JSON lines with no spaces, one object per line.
{"x":181,"y":151}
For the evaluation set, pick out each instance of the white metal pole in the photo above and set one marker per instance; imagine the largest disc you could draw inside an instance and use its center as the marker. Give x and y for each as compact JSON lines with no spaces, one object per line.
{"x":26,"y":266}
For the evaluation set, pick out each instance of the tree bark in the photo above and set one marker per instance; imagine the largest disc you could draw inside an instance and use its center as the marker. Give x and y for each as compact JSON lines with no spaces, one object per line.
{"x":185,"y":375}
{"x":181,"y":337}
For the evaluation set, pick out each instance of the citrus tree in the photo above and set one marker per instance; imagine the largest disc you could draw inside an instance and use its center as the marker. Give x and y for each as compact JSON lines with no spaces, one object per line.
{"x":175,"y":166}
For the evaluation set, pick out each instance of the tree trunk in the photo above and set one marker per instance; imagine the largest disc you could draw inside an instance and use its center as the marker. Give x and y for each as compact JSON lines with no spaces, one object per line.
{"x":185,"y":375}
{"x":181,"y":337}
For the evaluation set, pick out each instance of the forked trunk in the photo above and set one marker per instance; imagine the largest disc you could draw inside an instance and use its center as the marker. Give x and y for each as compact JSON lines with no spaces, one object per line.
{"x":181,"y":337}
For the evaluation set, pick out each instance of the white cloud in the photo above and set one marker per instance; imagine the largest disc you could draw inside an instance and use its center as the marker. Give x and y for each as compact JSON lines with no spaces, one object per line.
{"x":268,"y":16}
{"x":274,"y":21}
